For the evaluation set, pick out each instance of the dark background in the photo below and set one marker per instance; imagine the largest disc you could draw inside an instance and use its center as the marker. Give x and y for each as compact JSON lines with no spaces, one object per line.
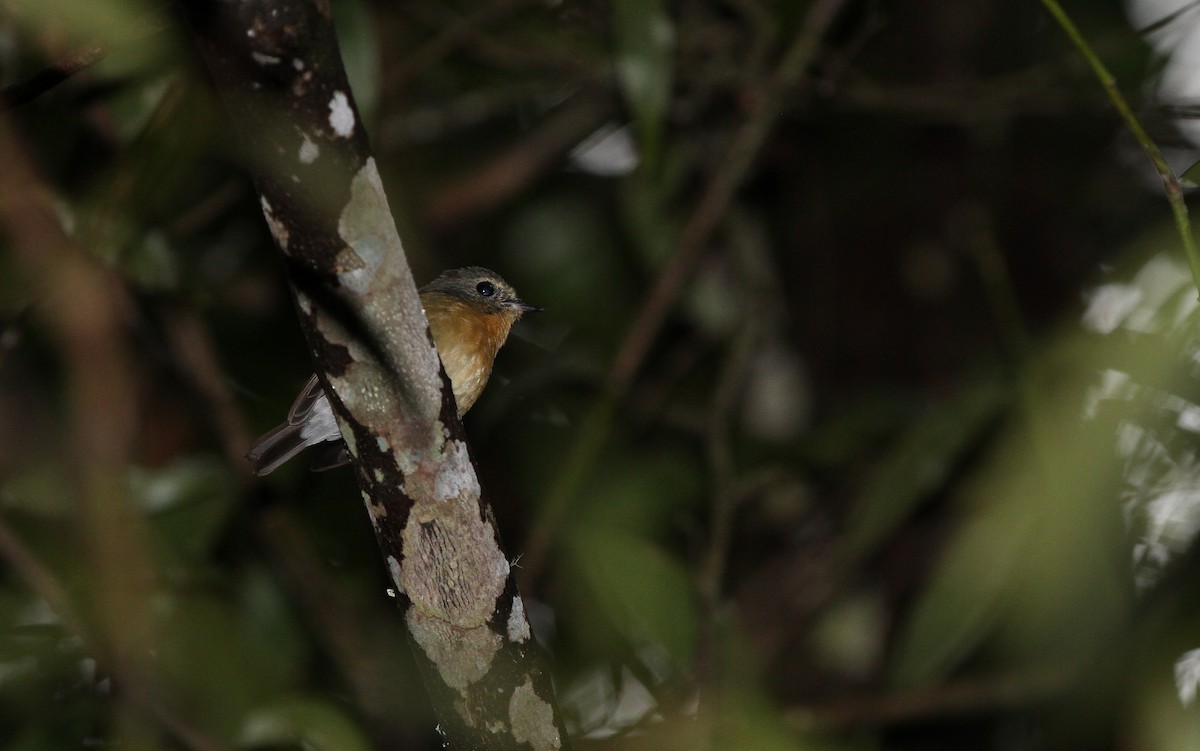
{"x":849,"y":499}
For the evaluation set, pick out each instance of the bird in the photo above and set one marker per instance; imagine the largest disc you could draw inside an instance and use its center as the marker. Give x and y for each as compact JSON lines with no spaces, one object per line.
{"x":470,"y":312}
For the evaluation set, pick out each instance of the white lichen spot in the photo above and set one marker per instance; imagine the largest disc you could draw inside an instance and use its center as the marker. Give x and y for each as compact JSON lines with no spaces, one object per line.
{"x":278,"y":229}
{"x":391,"y":593}
{"x":518,"y":625}
{"x":532,"y":719}
{"x":378,"y":475}
{"x":382,"y":443}
{"x":309,"y":151}
{"x":262,"y":59}
{"x":394,"y":570}
{"x":502,"y":567}
{"x":456,"y":477}
{"x":407,"y":461}
{"x":298,"y":64}
{"x":341,"y":117}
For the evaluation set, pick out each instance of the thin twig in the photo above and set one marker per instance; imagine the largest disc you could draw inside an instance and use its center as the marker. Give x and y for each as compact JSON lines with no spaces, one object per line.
{"x":758,"y":310}
{"x":39,"y":578}
{"x":196,"y":357}
{"x":764,"y":32}
{"x":84,"y":309}
{"x":593,"y":432}
{"x":25,"y":91}
{"x":721,"y":189}
{"x":720,"y":458}
{"x":521,"y":164}
{"x":979,"y":238}
{"x":207,"y":210}
{"x":458,"y":31}
{"x":1169,"y":179}
{"x":990,"y":694}
{"x":1033,"y":91}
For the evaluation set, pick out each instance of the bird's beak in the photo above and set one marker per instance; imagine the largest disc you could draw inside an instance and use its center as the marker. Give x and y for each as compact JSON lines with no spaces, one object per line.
{"x":524,"y":307}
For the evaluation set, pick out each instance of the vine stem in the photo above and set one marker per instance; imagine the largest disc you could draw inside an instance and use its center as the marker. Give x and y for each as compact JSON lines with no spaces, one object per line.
{"x":1169,"y":179}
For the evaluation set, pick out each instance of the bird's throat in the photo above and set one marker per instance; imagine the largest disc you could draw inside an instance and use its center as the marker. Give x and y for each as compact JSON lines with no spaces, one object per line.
{"x":467,"y":342}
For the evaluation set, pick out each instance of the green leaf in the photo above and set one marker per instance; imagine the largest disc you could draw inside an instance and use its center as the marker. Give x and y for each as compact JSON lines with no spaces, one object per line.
{"x":227,"y":655}
{"x":1031,"y":577}
{"x":964,"y":598}
{"x":645,"y":43}
{"x":639,"y":494}
{"x":645,"y":592}
{"x":919,"y":462}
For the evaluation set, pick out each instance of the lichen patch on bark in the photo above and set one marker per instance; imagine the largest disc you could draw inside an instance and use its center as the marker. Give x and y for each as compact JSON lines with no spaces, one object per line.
{"x":456,"y":477}
{"x":309,"y":151}
{"x":364,"y":225}
{"x":372,"y":402}
{"x":518,"y":625}
{"x":341,"y":116}
{"x":532,"y":719}
{"x":461,"y":656}
{"x":366,"y":228}
{"x":278,"y":229}
{"x":453,"y":569}
{"x":394,"y":570}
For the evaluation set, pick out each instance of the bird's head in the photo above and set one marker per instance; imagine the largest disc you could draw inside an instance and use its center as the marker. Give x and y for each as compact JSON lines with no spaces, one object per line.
{"x":482,"y":290}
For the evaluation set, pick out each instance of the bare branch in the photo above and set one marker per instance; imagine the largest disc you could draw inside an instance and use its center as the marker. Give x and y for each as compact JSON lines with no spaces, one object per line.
{"x":279,"y":72}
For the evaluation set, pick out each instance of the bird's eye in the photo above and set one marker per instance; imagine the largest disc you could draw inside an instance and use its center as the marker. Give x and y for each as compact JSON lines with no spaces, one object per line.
{"x":485,"y":288}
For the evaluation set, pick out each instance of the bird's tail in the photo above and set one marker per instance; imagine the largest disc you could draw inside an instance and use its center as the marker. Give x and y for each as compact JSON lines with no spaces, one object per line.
{"x":276,"y":447}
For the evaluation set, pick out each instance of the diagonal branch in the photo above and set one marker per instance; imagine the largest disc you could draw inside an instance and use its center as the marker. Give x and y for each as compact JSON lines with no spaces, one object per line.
{"x":1171,"y":187}
{"x":278,"y":70}
{"x":693,"y":239}
{"x":28,"y":89}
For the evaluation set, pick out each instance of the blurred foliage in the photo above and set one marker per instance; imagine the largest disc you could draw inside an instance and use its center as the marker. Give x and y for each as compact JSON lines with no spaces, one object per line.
{"x":873,"y":487}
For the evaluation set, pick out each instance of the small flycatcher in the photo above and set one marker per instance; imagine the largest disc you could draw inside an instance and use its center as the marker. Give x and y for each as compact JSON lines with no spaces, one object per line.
{"x":470,"y":312}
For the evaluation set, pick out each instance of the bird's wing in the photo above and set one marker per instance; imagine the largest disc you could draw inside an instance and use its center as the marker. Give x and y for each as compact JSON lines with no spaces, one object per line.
{"x":303,"y":406}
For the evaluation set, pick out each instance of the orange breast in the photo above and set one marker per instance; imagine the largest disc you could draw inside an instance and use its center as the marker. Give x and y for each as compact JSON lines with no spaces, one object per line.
{"x":467,"y":341}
